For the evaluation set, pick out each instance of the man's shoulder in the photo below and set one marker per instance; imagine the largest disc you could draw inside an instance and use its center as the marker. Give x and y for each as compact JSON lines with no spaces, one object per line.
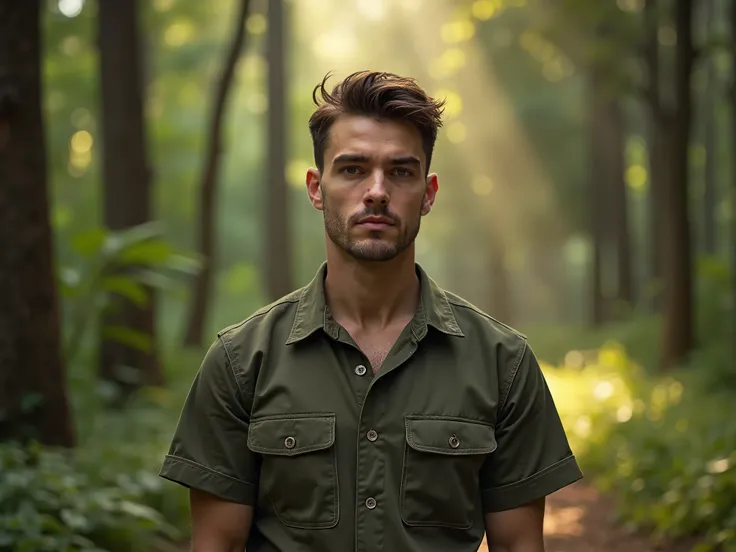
{"x":471,"y":317}
{"x":279,"y":313}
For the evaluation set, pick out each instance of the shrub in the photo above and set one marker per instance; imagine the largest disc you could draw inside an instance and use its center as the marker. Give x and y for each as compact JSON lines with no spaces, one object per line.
{"x":48,"y":503}
{"x":665,"y":447}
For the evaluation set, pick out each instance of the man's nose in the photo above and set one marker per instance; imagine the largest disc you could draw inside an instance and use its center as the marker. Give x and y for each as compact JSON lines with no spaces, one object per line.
{"x":377,"y":192}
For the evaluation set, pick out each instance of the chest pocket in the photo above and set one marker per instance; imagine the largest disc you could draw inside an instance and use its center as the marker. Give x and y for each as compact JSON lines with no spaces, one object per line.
{"x":440,"y":473}
{"x":298,"y":476}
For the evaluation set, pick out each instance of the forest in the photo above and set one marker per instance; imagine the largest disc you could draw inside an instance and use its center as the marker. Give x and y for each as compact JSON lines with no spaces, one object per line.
{"x":152,"y":165}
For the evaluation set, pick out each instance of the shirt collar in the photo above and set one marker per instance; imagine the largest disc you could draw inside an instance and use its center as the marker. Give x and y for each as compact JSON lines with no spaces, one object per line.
{"x":313,"y":314}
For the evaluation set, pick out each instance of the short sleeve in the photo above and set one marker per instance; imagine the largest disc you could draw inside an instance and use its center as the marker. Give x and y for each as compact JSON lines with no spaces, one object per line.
{"x":209,"y":447}
{"x":533,"y":457}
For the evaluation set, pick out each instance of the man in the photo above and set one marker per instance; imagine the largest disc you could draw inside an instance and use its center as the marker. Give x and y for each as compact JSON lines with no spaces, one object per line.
{"x":370,"y":410}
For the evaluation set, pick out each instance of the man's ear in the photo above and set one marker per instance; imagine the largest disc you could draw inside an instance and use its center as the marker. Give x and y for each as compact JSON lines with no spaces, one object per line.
{"x":430,"y":193}
{"x":314,"y":190}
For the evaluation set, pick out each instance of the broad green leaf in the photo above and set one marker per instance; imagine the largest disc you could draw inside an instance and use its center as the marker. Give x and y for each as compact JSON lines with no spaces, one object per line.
{"x":126,"y":287}
{"x":128,"y":336}
{"x":89,"y":243}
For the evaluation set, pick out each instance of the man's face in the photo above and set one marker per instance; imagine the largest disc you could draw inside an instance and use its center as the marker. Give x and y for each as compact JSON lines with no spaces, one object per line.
{"x":372,"y":190}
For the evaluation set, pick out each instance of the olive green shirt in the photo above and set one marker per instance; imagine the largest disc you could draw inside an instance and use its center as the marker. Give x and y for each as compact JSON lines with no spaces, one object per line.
{"x":286,"y":415}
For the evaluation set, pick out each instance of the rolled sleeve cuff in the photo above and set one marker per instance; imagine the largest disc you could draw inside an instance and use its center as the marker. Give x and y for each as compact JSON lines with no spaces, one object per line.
{"x":192,"y":475}
{"x":543,"y":483}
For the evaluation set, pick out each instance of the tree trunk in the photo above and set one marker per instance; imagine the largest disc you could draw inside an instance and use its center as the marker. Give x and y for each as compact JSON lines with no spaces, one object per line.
{"x":733,"y":165}
{"x":127,"y":188}
{"x":278,"y":243}
{"x":678,"y":338}
{"x":33,"y":387}
{"x":597,"y":198}
{"x":657,"y":161}
{"x":208,"y":188}
{"x":709,"y":104}
{"x":500,"y":293}
{"x":615,"y":148}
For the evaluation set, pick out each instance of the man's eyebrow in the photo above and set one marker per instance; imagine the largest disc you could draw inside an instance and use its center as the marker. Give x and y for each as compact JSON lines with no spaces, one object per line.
{"x":406,"y":160}
{"x":350,"y":158}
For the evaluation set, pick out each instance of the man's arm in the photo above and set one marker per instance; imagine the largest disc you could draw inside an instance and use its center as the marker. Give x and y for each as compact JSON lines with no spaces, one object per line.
{"x":209,"y":453}
{"x":517,"y":530}
{"x":218,"y":525}
{"x":532,"y":458}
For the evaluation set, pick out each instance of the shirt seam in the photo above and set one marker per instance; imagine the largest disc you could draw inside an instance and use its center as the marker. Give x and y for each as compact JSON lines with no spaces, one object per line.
{"x":485,"y":315}
{"x":207,"y":469}
{"x":231,"y":368}
{"x":511,"y":379}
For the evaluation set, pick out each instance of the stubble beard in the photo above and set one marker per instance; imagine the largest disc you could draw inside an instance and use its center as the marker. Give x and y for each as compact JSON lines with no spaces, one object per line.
{"x":373,"y":248}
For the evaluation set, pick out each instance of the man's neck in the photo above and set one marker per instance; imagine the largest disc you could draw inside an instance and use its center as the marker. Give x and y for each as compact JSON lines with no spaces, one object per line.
{"x":372,"y":295}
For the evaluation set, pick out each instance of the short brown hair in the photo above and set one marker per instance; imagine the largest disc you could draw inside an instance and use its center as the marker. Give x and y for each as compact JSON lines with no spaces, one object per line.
{"x":375,"y":94}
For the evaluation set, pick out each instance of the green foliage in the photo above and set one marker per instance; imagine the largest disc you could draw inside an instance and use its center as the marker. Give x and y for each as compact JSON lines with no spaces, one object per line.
{"x":105,"y":495}
{"x":49,"y":503}
{"x":126,"y":264}
{"x":661,"y":446}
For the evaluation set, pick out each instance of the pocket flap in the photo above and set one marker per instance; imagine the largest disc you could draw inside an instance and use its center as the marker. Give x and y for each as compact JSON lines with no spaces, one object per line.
{"x":448,"y":435}
{"x":291,"y":434}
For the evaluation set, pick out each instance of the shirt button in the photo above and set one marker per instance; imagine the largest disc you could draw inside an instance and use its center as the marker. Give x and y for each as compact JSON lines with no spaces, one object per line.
{"x":360,"y":370}
{"x":454,"y":442}
{"x":289,"y":442}
{"x":372,"y":435}
{"x":370,"y":503}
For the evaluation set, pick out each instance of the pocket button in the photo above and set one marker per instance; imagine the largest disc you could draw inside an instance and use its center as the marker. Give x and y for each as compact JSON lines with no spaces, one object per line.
{"x":454,"y":442}
{"x":289,"y":442}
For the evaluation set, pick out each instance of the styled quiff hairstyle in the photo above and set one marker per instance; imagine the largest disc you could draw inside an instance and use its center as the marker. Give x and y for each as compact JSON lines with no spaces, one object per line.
{"x":374,"y":94}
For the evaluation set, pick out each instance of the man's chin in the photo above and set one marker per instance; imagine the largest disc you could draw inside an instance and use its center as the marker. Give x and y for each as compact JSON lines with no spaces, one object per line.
{"x":375,"y":252}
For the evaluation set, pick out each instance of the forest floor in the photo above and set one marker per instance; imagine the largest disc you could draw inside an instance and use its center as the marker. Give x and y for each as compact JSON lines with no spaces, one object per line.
{"x":579,"y":519}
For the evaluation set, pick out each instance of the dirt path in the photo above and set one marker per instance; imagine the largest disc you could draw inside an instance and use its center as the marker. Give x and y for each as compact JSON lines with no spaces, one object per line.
{"x":578,"y":519}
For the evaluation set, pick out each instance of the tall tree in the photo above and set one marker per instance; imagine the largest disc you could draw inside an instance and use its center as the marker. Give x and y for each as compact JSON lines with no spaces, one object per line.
{"x":127,"y":188}
{"x":501,"y":297}
{"x":678,"y":338}
{"x":657,"y":159}
{"x":597,"y":196}
{"x":208,"y":187}
{"x":33,"y":397}
{"x":733,"y":165}
{"x":709,"y":105}
{"x":278,"y":272}
{"x":616,"y":153}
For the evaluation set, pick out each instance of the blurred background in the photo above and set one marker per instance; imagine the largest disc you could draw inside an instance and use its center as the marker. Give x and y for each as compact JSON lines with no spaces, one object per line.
{"x":158,"y":151}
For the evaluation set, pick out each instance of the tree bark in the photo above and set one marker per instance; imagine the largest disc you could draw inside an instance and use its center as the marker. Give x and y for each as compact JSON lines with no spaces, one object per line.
{"x":733,"y":165}
{"x":619,"y":204}
{"x":33,"y":387}
{"x":657,"y":163}
{"x":208,"y":189}
{"x":127,"y":184}
{"x":678,"y":338}
{"x":278,"y":243}
{"x":597,"y":197}
{"x":500,"y":292}
{"x":709,"y":104}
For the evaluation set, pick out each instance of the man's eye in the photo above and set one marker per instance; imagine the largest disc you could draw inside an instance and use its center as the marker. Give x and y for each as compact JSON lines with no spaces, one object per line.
{"x":400,"y":171}
{"x":351,"y":170}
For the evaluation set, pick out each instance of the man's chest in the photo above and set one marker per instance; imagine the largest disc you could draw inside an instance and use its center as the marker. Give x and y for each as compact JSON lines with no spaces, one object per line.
{"x":331,"y":433}
{"x":429,"y":378}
